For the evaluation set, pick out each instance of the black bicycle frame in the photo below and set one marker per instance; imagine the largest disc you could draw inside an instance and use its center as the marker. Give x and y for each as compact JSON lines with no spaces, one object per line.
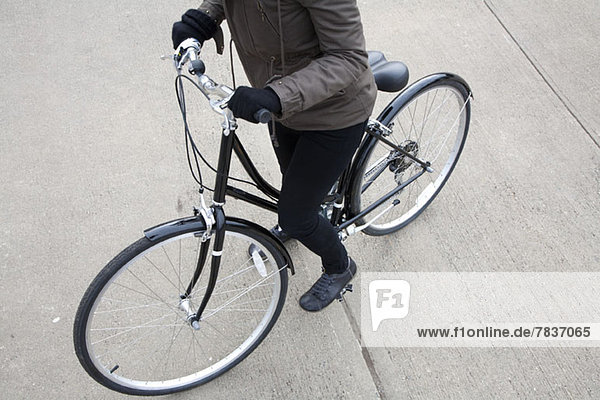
{"x":341,"y":208}
{"x":260,"y":182}
{"x":341,"y":199}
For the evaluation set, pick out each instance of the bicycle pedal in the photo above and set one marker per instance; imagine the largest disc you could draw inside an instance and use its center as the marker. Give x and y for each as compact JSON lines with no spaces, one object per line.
{"x":347,"y":288}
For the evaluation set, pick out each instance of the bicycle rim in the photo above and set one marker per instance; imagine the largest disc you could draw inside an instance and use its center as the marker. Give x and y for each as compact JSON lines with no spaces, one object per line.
{"x":138,"y":339}
{"x":432,"y":126}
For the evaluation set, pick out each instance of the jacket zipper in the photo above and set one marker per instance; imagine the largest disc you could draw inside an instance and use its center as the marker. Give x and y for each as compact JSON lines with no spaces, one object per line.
{"x":265,"y":18}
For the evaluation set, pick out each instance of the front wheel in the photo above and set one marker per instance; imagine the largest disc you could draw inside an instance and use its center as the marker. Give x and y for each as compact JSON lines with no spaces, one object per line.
{"x":131,"y":330}
{"x":430,"y":120}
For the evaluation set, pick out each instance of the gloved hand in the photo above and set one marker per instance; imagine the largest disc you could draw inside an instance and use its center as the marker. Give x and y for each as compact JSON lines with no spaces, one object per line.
{"x":194,"y":24}
{"x":246,"y":101}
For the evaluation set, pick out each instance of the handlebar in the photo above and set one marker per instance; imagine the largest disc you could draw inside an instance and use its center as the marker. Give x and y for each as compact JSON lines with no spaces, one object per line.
{"x":263,"y":116}
{"x":217,"y":94}
{"x":188,"y":50}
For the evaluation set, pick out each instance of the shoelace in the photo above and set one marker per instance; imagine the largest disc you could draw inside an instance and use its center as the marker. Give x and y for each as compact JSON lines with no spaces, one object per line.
{"x":321,"y":286}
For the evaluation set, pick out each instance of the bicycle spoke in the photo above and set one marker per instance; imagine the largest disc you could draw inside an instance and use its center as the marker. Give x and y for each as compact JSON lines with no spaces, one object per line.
{"x":124,"y":346}
{"x":178,"y":274}
{"x":447,"y":135}
{"x":168,"y":351}
{"x":136,"y":307}
{"x":238,"y":273}
{"x":162,"y":273}
{"x":427,"y":112}
{"x":246,"y":291}
{"x":237,"y":290}
{"x":147,"y":295}
{"x":130,"y":329}
{"x":148,"y":287}
{"x":426,"y":150}
{"x":229,"y":340}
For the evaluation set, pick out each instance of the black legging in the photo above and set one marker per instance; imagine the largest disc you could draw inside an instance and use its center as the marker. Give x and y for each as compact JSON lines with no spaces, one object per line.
{"x":311,"y":162}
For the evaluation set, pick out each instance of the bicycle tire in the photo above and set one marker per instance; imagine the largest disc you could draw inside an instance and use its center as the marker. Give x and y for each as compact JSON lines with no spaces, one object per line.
{"x":132,"y":339}
{"x":408,"y":117}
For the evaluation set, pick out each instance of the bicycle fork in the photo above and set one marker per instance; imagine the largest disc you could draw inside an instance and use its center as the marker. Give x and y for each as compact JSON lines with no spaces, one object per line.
{"x":214,"y":218}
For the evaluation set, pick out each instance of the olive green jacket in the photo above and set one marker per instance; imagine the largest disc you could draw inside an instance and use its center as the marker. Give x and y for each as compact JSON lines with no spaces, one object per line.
{"x":327,"y":82}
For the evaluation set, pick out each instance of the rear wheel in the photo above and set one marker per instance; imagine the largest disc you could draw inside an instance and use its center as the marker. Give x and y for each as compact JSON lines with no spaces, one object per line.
{"x":429,"y":120}
{"x":132,"y":332}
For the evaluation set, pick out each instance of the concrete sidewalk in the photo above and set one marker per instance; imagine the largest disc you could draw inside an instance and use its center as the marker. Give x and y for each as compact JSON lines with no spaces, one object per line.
{"x":92,"y":153}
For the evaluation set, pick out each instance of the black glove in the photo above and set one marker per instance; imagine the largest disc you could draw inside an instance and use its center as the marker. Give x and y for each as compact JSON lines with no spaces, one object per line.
{"x":246,"y":101}
{"x":194,"y":24}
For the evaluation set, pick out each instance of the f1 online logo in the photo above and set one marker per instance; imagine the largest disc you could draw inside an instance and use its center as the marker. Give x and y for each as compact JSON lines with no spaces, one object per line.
{"x":389,"y":299}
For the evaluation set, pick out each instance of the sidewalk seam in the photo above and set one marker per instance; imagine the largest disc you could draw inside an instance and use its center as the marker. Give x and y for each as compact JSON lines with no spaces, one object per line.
{"x":538,"y":70}
{"x":365,"y":352}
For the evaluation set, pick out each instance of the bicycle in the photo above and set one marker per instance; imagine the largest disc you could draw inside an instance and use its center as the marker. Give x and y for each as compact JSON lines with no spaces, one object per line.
{"x":155,"y":321}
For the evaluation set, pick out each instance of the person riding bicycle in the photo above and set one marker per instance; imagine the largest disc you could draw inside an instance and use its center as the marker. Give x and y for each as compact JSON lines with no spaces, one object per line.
{"x":307,"y":64}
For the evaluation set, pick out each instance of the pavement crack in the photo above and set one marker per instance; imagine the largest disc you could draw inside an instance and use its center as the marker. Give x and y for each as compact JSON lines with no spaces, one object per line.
{"x":529,"y":58}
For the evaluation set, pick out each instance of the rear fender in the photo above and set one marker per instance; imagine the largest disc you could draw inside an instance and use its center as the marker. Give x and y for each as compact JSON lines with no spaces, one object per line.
{"x":386,"y":116}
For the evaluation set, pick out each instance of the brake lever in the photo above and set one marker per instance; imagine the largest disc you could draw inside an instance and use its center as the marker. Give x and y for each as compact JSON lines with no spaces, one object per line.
{"x":188,"y":50}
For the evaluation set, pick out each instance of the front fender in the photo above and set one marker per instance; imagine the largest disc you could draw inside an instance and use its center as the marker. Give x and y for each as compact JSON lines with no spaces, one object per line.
{"x":191,"y":224}
{"x":171,"y":228}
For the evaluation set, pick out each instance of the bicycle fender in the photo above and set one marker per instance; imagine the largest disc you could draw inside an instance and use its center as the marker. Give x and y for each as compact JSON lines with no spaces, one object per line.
{"x":386,"y":116}
{"x":190,"y":224}
{"x":174,"y":227}
{"x":287,"y":259}
{"x":414,"y":89}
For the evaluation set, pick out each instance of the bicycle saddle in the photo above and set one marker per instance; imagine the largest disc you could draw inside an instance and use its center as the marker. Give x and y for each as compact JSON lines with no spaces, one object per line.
{"x":390,"y":76}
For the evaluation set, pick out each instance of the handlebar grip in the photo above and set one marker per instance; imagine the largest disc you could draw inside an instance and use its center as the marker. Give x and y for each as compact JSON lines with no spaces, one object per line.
{"x":263,"y":116}
{"x":197,"y":67}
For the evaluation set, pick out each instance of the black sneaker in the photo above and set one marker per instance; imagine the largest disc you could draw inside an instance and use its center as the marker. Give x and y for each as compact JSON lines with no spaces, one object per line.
{"x":279,"y":234}
{"x":327,"y":288}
